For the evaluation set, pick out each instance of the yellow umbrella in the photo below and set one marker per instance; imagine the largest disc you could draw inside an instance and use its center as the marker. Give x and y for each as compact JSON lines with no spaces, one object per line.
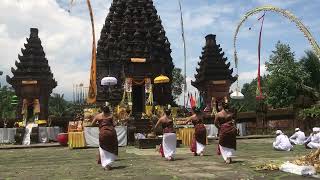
{"x":161,"y":79}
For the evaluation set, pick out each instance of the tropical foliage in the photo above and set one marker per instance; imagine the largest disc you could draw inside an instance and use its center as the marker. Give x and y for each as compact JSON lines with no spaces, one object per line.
{"x":285,"y":77}
{"x":312,"y":112}
{"x":286,"y":80}
{"x":7,"y":110}
{"x":177,"y":82}
{"x":58,"y":106}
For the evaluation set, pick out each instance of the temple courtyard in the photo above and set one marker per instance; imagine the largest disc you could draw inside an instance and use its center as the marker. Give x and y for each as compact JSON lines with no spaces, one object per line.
{"x":62,"y":163}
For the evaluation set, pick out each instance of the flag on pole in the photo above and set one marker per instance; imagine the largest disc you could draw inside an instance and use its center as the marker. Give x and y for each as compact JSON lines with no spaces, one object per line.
{"x":259,"y":91}
{"x":184,"y":52}
{"x":92,"y":95}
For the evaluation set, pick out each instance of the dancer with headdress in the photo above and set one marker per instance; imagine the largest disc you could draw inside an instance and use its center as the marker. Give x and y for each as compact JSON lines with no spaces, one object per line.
{"x":108,"y":141}
{"x":224,"y":121}
{"x":199,"y":140}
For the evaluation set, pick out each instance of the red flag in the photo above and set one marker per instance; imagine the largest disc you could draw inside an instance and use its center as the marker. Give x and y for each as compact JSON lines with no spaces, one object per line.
{"x":192,"y":102}
{"x":259,"y":91}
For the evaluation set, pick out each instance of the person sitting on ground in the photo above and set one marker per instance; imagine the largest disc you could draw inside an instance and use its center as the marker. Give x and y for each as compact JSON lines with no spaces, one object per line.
{"x":282,"y":142}
{"x":313,"y":141}
{"x":298,"y":137}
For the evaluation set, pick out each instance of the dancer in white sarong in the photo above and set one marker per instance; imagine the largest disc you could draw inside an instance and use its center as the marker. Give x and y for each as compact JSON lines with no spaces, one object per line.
{"x":224,"y":121}
{"x":108,"y":142}
{"x":282,"y":142}
{"x":298,"y":137}
{"x":199,"y":140}
{"x":169,"y":141}
{"x":313,"y":141}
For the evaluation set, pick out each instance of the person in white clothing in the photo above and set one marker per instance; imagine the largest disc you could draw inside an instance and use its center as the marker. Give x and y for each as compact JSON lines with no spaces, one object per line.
{"x":282,"y":142}
{"x":298,"y":137}
{"x":313,"y":141}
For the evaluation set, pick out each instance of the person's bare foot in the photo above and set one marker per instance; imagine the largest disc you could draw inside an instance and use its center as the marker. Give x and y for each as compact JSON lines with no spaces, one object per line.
{"x":170,"y":159}
{"x":108,"y":168}
{"x":228,"y":161}
{"x":201,"y":154}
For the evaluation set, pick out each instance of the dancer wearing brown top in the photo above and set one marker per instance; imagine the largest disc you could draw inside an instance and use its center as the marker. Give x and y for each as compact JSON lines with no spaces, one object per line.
{"x":227,"y":131}
{"x":108,"y":142}
{"x":199,"y":140}
{"x":169,"y":141}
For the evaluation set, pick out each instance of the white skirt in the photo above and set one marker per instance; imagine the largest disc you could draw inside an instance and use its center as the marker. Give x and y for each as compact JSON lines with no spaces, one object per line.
{"x":200,"y":147}
{"x":106,"y":157}
{"x":313,"y":145}
{"x":169,"y":144}
{"x":226,"y":152}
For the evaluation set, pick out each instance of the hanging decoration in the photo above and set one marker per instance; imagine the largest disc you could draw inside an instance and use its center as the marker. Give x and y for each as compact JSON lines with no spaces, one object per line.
{"x":150,"y":97}
{"x":147,"y":85}
{"x":259,"y":91}
{"x":128,"y":90}
{"x":214,"y":106}
{"x":128,"y":85}
{"x":92,"y":93}
{"x":287,"y":14}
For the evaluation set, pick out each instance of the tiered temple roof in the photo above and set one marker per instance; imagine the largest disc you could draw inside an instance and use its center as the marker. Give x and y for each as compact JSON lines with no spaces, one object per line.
{"x":132,"y":29}
{"x":33,"y":64}
{"x":212,"y":65}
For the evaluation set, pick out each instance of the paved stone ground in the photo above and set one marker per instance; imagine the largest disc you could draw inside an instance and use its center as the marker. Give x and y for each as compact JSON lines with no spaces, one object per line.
{"x":62,"y":163}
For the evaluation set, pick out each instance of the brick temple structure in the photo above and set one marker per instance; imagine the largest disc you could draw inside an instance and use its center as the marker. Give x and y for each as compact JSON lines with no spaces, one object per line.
{"x":134,"y":49}
{"x":214,"y":76}
{"x":32,"y":80}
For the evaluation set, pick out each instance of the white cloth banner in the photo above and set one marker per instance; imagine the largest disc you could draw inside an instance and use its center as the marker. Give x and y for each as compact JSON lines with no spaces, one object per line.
{"x":7,"y":135}
{"x":242,"y":129}
{"x":91,"y":135}
{"x":212,"y":130}
{"x":47,"y":134}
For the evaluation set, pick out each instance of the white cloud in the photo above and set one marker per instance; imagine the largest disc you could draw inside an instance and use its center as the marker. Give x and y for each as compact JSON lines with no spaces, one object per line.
{"x":250,"y":75}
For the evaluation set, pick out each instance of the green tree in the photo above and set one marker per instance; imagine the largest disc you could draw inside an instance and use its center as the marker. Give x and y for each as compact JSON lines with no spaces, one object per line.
{"x":249,"y":102}
{"x":7,"y":110}
{"x":285,"y":77}
{"x":58,"y":105}
{"x":177,"y":82}
{"x":311,"y":64}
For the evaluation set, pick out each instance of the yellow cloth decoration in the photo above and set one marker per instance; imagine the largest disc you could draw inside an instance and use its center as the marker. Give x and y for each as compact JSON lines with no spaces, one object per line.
{"x":149,"y":111}
{"x":76,"y":140}
{"x":174,"y":112}
{"x":161,"y":79}
{"x":20,"y":124}
{"x":40,"y":122}
{"x":186,"y":135}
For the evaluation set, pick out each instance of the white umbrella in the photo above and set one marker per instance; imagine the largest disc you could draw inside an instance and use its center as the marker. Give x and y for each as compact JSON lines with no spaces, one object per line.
{"x":237,"y":95}
{"x":109,"y":81}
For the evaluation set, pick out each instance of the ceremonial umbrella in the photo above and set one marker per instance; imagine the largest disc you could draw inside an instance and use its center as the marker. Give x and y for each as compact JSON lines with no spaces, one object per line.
{"x":109,"y":81}
{"x":161,"y":79}
{"x":237,"y":95}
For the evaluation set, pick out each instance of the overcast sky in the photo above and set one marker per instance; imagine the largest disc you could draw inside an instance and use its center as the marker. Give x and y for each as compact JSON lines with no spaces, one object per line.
{"x":66,"y":37}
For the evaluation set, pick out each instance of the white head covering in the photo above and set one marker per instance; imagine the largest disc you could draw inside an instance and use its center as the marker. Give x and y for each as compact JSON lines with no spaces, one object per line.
{"x":107,"y":103}
{"x":297,"y":129}
{"x":278,"y":132}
